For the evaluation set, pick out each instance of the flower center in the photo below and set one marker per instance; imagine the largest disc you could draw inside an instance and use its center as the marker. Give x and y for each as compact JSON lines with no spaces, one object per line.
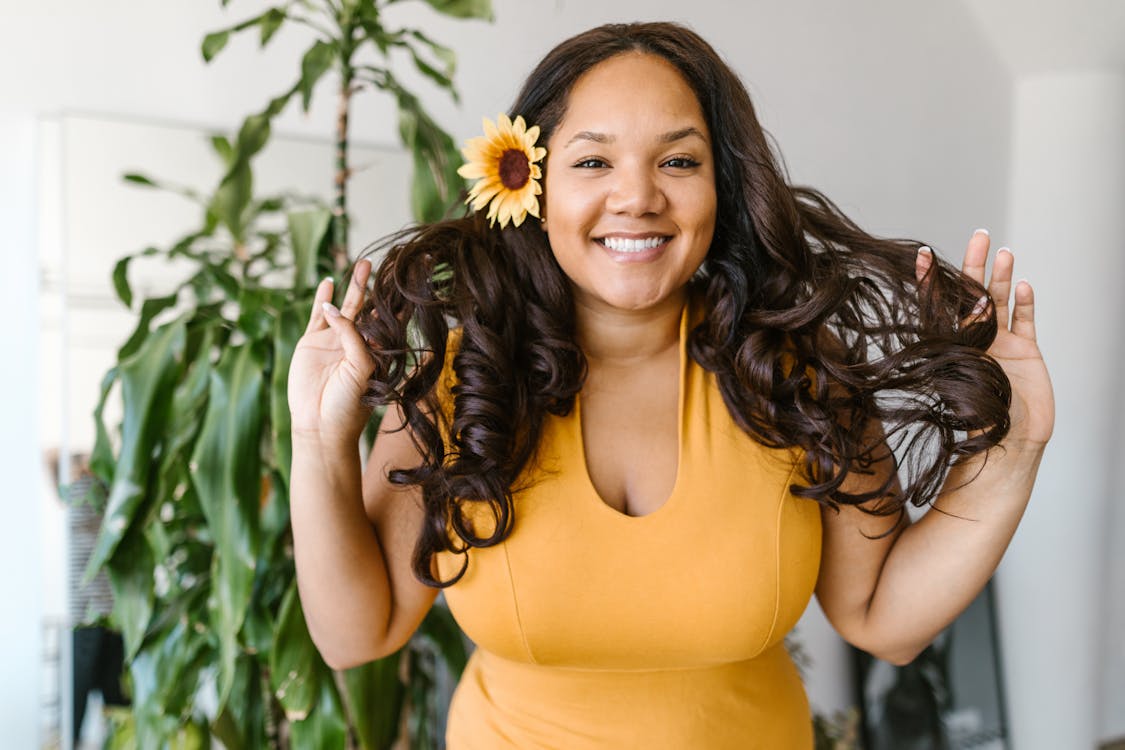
{"x":514,"y":169}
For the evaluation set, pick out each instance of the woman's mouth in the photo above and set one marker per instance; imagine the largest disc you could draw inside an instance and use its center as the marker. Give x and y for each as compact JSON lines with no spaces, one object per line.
{"x":633,"y":248}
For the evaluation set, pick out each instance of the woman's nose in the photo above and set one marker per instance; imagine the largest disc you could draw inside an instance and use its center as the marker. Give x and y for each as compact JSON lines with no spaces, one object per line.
{"x":635,"y":192}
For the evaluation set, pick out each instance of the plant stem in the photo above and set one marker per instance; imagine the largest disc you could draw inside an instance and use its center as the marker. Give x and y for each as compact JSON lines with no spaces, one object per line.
{"x":340,"y":209}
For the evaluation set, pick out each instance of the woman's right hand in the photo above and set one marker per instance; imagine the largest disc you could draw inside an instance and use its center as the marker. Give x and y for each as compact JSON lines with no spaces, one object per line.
{"x":331,"y":366}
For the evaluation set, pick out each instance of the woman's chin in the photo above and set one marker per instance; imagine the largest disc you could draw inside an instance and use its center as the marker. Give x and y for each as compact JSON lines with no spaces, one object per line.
{"x":630,"y":298}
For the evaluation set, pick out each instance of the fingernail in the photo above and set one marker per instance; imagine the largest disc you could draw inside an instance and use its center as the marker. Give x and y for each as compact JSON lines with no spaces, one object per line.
{"x":982,"y":230}
{"x":330,"y":309}
{"x":925,"y":250}
{"x":1005,"y":250}
{"x":980,"y":306}
{"x":327,"y":278}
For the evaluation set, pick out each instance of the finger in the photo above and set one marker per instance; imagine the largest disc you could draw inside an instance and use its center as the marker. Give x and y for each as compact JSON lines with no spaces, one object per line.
{"x":323,"y":294}
{"x":1023,"y":314}
{"x":355,"y":350}
{"x":923,"y":261}
{"x":357,"y":290}
{"x":1000,"y":285}
{"x":976,"y":255}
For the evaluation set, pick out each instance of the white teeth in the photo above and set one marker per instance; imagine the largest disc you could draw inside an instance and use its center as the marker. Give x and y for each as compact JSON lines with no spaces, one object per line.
{"x":623,"y":245}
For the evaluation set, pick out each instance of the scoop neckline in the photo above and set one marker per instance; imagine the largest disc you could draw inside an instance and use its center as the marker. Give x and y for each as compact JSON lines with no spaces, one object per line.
{"x":670,"y":501}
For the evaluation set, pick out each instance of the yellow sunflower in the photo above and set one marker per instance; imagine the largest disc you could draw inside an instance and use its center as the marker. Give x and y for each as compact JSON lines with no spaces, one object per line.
{"x":504,"y":164}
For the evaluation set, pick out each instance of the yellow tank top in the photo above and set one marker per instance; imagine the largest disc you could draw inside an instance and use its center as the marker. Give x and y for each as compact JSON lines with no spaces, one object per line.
{"x":598,"y":630}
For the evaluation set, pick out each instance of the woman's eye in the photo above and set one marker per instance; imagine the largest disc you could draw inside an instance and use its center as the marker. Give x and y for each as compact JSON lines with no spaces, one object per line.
{"x":591,"y":163}
{"x":681,"y":162}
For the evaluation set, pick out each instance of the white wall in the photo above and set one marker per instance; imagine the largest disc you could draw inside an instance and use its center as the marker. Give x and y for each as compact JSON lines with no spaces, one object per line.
{"x":900,"y":112}
{"x":1061,"y":584}
{"x":20,"y":504}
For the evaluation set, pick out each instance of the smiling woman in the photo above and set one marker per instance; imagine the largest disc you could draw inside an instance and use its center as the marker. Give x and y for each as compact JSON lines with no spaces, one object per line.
{"x":629,"y":440}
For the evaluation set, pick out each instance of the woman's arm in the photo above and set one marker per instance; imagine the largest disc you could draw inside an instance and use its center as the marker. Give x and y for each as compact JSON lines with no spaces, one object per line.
{"x":892,"y":596}
{"x":353,"y":542}
{"x":353,"y":535}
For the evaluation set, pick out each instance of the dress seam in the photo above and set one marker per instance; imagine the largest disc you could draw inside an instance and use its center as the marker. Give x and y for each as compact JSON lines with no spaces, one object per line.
{"x":777,"y":557}
{"x":516,"y":605}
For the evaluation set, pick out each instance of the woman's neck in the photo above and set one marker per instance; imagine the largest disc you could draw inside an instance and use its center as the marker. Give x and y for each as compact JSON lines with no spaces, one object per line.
{"x":611,"y":337}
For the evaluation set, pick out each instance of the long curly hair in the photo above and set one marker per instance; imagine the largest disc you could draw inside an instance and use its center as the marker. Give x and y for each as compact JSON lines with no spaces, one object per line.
{"x":815,"y":330}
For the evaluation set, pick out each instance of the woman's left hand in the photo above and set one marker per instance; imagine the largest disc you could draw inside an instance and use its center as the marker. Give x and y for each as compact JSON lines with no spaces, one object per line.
{"x":1015,"y":348}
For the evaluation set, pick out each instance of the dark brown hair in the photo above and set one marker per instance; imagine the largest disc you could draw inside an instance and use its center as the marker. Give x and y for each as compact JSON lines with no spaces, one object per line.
{"x":815,"y":329}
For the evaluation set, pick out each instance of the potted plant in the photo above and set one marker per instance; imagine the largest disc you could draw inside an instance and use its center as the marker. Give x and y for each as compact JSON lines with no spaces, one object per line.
{"x":194,"y":482}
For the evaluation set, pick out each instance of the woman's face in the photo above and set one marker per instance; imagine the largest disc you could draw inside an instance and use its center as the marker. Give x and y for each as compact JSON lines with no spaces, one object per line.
{"x":630,"y":184}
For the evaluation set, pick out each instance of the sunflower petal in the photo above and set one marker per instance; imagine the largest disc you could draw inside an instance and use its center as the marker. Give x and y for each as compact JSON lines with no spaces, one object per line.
{"x":472,"y":170}
{"x":491,"y":133}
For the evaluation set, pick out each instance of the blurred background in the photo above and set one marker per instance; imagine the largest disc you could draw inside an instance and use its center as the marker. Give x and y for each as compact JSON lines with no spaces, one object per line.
{"x":922,"y":120}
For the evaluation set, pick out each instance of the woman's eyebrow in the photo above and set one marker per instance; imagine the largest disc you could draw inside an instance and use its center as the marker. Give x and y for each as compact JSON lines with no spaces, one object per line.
{"x":676,"y":135}
{"x":670,"y":137}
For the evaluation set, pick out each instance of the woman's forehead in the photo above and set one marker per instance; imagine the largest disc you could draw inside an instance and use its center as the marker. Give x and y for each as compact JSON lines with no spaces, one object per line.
{"x":630,"y":95}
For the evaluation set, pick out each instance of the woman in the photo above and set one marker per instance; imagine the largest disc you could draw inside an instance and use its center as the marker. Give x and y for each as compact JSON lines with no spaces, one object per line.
{"x":665,"y":413}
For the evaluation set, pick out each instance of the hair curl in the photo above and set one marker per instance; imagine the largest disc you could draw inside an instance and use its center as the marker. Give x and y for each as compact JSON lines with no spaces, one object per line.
{"x":815,"y":329}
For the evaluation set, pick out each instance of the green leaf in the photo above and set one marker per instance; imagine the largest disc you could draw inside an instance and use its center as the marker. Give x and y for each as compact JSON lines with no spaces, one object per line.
{"x":150,"y":308}
{"x":231,"y":287}
{"x":253,"y":135}
{"x":122,"y":734}
{"x":191,"y":736}
{"x":257,"y":630}
{"x":293,"y":659}
{"x":101,"y":458}
{"x":421,"y":682}
{"x":426,"y":201}
{"x":121,"y":281}
{"x":440,"y":628}
{"x":230,"y":200}
{"x":378,"y":35}
{"x":254,"y":317}
{"x":213,"y":44}
{"x":130,"y":574}
{"x":226,"y":473}
{"x":287,"y":329}
{"x":464,"y":8}
{"x":176,"y":654}
{"x":183,"y":246}
{"x":308,"y":231}
{"x":270,"y":205}
{"x":436,"y":185}
{"x":375,"y":696}
{"x":278,"y":102}
{"x":271,"y":21}
{"x":443,"y":53}
{"x":440,"y":78}
{"x":325,"y":728}
{"x":316,"y":62}
{"x":189,"y":401}
{"x":222,"y":146}
{"x":139,"y":179}
{"x":146,"y":385}
{"x":149,"y":725}
{"x":240,"y":724}
{"x":276,"y":549}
